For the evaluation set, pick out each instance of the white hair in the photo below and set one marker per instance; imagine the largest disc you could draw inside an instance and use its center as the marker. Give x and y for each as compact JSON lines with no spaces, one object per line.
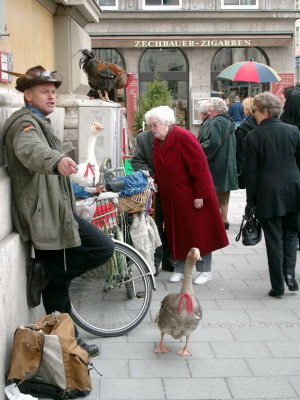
{"x":163,"y":114}
{"x":202,"y":106}
{"x":217,"y":104}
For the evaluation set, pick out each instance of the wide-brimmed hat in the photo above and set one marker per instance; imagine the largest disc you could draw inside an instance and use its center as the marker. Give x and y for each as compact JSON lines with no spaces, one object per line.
{"x":37,"y":75}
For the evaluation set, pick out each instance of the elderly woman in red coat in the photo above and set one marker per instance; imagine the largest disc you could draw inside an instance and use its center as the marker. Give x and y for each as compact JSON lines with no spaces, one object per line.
{"x":191,"y":212}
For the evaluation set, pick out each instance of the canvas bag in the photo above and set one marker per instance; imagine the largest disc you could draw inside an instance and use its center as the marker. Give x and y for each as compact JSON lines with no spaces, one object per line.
{"x":47,"y":361}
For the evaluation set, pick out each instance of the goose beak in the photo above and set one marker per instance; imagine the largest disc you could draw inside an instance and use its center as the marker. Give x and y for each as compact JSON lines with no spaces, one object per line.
{"x":98,"y":126}
{"x":196,"y":254}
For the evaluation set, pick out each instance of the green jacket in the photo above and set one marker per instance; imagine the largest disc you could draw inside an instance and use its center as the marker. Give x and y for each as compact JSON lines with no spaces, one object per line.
{"x":42,"y":200}
{"x":219,"y":145}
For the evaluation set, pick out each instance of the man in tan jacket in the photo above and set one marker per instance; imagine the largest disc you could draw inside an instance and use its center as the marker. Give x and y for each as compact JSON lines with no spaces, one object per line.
{"x":43,"y":206}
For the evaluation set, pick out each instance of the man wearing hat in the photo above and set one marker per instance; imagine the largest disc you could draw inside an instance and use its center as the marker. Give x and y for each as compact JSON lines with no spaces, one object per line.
{"x":43,"y":206}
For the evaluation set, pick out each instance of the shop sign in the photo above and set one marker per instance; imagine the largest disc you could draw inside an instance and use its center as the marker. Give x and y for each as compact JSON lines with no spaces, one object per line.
{"x":190,"y":41}
{"x":286,"y":81}
{"x":193,"y":43}
{"x":132,"y":91}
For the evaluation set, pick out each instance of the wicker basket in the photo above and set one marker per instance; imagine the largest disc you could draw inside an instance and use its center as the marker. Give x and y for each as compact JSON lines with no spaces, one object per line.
{"x":135,"y":203}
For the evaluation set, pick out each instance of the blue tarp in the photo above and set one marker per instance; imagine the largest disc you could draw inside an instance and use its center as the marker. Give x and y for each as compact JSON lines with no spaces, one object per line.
{"x":134,"y":183}
{"x":79,"y":191}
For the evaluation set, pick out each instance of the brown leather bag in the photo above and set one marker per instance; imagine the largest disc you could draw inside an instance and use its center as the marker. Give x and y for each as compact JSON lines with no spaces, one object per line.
{"x":47,"y":352}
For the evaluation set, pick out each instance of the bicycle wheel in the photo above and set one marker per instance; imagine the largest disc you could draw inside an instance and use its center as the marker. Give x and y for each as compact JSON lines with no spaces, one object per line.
{"x":113,"y":299}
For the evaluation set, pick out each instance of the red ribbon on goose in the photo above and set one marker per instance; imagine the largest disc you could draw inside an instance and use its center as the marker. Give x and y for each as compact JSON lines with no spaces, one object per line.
{"x":89,"y":167}
{"x":188,"y":303}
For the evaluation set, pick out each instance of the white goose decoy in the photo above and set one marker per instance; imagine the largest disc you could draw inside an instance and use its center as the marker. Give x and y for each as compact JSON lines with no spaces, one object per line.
{"x":88,"y":173}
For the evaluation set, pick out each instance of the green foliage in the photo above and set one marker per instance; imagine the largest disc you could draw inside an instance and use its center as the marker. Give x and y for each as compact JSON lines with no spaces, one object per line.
{"x":157,"y":94}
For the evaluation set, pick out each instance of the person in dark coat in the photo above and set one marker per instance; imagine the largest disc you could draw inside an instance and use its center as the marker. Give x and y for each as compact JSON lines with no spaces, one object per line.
{"x":291,"y":113}
{"x":273,"y":188}
{"x":143,"y":159}
{"x":241,"y":132}
{"x":219,"y":145}
{"x":203,"y":116}
{"x":191,"y":213}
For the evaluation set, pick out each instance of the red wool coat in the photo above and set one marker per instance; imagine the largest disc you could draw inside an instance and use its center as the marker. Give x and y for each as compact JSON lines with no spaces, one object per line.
{"x":182,"y":174}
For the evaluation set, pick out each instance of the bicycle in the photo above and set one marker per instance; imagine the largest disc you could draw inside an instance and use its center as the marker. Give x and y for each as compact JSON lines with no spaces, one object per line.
{"x":113,"y":299}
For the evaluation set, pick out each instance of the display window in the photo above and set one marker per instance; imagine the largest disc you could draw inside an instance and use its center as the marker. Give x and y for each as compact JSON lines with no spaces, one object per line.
{"x":227,"y":56}
{"x":171,"y":66}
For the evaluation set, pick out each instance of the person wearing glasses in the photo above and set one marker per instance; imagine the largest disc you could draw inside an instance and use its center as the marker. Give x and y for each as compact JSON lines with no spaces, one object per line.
{"x":190,"y":206}
{"x":42,"y":200}
{"x":142,"y":159}
{"x":273,"y":188}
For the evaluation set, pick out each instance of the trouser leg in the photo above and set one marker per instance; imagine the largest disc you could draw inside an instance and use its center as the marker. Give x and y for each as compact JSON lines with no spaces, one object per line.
{"x":162,"y":253}
{"x":205,"y":264}
{"x":201,"y":266}
{"x":290,"y":227}
{"x":273,"y":232}
{"x":63,"y":266}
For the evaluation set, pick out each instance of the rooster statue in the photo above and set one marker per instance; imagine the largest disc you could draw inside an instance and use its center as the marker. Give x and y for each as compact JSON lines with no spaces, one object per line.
{"x":103,"y":76}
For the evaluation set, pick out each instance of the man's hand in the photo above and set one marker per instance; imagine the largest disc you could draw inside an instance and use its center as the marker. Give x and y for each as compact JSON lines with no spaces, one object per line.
{"x":67,"y":166}
{"x":198,"y":203}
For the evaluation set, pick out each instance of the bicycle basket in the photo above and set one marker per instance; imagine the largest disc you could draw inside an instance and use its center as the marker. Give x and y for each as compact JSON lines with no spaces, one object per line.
{"x":106,"y":214}
{"x":135,"y":203}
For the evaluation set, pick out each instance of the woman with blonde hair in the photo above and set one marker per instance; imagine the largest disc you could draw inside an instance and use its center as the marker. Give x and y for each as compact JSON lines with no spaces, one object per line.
{"x":241,"y":132}
{"x":219,"y":145}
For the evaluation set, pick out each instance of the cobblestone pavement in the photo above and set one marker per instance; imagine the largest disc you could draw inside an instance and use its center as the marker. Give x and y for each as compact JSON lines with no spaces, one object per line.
{"x":246,"y":347}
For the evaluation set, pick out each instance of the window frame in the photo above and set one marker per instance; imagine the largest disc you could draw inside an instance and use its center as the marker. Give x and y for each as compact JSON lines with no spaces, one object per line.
{"x":162,"y":7}
{"x":239,"y":7}
{"x":3,"y":29}
{"x":115,"y":7}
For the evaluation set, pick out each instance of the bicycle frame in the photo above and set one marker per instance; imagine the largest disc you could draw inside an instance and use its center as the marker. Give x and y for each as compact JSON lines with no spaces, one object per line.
{"x":149,"y":269}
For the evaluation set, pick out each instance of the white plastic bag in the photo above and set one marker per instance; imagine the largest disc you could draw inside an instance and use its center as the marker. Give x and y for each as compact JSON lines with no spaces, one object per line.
{"x":13,"y":393}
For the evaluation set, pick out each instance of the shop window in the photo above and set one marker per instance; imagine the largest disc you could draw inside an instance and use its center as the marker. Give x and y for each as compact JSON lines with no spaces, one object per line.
{"x":109,"y":4}
{"x":113,"y":56}
{"x":227,"y":56}
{"x":230,"y":4}
{"x":162,"y":4}
{"x":171,"y":66}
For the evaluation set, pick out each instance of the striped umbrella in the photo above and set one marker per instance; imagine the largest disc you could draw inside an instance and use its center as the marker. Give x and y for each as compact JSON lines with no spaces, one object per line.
{"x":249,"y":71}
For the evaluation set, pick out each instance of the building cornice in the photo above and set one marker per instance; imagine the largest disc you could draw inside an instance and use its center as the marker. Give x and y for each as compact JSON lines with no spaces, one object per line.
{"x":201,"y":14}
{"x":82,"y":11}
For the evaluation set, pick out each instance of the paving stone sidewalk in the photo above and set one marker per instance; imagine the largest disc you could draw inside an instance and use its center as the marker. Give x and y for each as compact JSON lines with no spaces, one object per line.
{"x":247,"y":345}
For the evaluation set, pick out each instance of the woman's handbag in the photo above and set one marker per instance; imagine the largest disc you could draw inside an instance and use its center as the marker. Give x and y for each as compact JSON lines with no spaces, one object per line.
{"x":250,"y":229}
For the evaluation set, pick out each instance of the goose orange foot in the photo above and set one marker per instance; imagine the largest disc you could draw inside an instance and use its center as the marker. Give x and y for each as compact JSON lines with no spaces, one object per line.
{"x":161,"y":348}
{"x":184,"y":352}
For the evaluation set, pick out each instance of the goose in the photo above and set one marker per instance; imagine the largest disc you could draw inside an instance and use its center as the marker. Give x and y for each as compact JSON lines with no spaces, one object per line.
{"x":88,"y":173}
{"x":180,"y":313}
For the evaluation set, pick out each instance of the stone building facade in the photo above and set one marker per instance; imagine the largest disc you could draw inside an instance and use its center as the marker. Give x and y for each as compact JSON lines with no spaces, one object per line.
{"x":188,"y":42}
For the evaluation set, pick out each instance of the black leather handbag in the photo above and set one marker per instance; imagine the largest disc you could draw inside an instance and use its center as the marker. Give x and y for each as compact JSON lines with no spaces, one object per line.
{"x":250,"y":229}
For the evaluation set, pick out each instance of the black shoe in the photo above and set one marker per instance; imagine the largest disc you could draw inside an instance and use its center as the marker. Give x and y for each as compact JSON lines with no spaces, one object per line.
{"x":167,"y":267}
{"x":92,"y":349}
{"x":276,"y":292}
{"x":156,"y":270}
{"x":226,"y":225}
{"x":36,"y":281}
{"x":291,"y":283}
